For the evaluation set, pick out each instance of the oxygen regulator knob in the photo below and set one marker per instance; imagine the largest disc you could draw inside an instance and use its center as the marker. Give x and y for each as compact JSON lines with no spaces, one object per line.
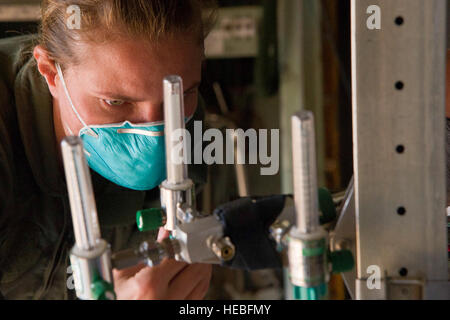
{"x":150,"y":219}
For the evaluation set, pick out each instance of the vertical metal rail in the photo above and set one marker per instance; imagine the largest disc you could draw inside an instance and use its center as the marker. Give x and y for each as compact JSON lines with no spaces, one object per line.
{"x":292,"y":93}
{"x":305,"y":172}
{"x":240,"y":169}
{"x":174,"y":120}
{"x":308,"y":241}
{"x":90,"y":256}
{"x":81,"y":195}
{"x":399,"y":149}
{"x":178,"y":189}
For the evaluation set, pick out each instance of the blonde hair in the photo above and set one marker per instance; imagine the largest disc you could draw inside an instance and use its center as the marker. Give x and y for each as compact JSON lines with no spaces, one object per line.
{"x":106,"y":20}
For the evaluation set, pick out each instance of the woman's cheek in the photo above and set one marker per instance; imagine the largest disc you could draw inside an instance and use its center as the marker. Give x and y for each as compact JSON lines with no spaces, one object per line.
{"x":190,"y":104}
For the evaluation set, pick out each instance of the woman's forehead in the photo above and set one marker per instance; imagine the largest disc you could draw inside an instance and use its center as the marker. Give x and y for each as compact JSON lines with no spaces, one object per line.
{"x":139,"y":65}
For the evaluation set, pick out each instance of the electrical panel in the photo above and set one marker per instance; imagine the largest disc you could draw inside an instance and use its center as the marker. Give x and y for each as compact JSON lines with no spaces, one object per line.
{"x":236,"y":33}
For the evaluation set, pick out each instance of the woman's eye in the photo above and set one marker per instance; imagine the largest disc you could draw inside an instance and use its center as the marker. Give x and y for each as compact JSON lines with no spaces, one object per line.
{"x":114,"y":103}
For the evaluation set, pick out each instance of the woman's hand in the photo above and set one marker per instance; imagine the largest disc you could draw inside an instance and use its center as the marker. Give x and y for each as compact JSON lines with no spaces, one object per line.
{"x":171,"y":280}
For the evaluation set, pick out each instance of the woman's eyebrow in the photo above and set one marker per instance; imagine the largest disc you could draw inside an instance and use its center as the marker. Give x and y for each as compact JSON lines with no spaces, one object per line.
{"x":115,"y":96}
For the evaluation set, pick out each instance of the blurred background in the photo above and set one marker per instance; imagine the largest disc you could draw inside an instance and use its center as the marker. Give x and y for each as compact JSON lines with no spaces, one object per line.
{"x":266,"y":60}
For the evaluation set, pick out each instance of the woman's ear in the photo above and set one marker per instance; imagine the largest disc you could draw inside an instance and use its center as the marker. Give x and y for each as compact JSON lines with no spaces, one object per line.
{"x":46,"y":68}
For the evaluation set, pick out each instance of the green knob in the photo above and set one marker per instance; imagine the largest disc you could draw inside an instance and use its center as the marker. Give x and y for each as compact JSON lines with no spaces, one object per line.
{"x":149,"y":219}
{"x":102,"y":290}
{"x":342,"y":261}
{"x":326,"y":206}
{"x":319,"y":292}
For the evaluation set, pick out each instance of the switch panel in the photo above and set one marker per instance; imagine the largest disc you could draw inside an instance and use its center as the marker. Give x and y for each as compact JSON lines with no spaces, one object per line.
{"x":236,"y":33}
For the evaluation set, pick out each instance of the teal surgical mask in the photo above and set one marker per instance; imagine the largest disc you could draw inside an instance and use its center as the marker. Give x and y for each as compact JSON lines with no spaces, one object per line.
{"x":130,"y":155}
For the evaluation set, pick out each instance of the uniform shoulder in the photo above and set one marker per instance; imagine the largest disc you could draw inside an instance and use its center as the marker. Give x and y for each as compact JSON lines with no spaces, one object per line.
{"x":14,"y":53}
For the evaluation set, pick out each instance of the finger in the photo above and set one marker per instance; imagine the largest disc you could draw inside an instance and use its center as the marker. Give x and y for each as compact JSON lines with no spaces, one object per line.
{"x":128,"y":272}
{"x":185,"y":282}
{"x":165,"y":271}
{"x":153,"y":282}
{"x":199,"y":291}
{"x":162,"y":234}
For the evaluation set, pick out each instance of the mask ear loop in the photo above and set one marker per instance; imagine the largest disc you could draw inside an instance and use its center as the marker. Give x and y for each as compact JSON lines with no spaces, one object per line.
{"x":60,"y":74}
{"x":189,"y":118}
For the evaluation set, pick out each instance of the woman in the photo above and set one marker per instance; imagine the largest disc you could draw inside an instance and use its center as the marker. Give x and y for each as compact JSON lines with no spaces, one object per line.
{"x":74,"y":78}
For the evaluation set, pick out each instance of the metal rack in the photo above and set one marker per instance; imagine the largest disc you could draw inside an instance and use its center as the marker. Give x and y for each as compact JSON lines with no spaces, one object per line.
{"x":399,"y":149}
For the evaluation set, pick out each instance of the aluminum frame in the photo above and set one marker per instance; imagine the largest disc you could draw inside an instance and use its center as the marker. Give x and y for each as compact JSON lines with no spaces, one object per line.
{"x":399,"y":147}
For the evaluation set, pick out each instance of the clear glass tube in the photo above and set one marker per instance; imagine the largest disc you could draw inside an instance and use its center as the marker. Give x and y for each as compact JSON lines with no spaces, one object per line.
{"x":174,"y":120}
{"x":305,"y":172}
{"x":81,"y":195}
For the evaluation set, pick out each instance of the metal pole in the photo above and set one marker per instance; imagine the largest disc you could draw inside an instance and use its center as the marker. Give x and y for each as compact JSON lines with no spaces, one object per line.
{"x":398,"y":66}
{"x":177,"y":189}
{"x":174,"y":120}
{"x":305,"y":172}
{"x":82,"y":202}
{"x":90,"y":256}
{"x":308,"y":241}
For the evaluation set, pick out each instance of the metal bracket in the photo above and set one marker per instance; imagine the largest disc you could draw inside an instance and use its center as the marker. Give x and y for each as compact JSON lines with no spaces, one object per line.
{"x":399,"y":145}
{"x":344,"y":235}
